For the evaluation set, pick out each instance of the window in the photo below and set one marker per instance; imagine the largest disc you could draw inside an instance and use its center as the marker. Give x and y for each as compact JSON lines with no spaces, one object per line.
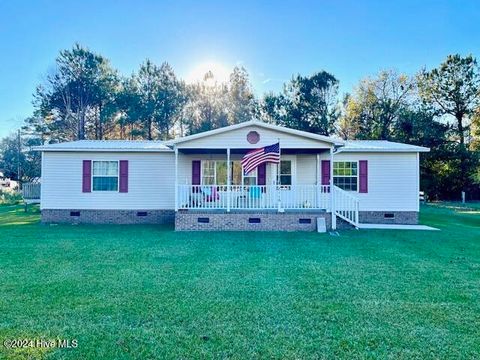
{"x":345,"y":175}
{"x":285,"y":176}
{"x":214,"y":172}
{"x":251,"y":177}
{"x":208,"y":172}
{"x":237,"y":174}
{"x":105,"y":176}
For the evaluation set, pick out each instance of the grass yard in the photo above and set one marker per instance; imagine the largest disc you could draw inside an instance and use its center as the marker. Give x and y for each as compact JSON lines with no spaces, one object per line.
{"x":146,"y":292}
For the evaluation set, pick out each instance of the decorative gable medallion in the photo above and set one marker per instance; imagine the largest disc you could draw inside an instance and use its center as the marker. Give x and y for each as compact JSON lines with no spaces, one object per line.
{"x":253,"y":137}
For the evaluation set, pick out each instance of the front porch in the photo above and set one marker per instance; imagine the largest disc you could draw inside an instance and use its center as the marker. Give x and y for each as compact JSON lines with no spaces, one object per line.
{"x":209,"y":174}
{"x":212,"y":181}
{"x":254,"y":197}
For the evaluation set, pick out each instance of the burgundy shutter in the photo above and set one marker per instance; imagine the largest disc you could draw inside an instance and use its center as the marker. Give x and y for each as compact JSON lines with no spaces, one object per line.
{"x":262,"y":174}
{"x":87,"y":176}
{"x":123,"y":187}
{"x":363,"y":176}
{"x":196,"y":166}
{"x":325,"y":172}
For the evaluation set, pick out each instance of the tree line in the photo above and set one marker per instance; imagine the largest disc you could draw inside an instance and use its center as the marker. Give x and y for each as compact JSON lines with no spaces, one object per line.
{"x":84,"y":97}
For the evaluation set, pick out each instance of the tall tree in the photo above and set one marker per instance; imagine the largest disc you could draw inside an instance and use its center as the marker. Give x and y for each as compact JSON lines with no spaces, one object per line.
{"x":273,"y":108}
{"x":241,"y":100}
{"x":171,"y":99}
{"x":351,"y":122}
{"x":207,"y":106}
{"x":157,"y":99}
{"x":307,"y":103}
{"x":70,"y":98}
{"x":374,"y":108}
{"x":454,"y":89}
{"x":311,"y":103}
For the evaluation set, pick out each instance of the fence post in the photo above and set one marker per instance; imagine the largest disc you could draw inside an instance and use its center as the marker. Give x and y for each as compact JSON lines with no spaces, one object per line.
{"x":463,"y":197}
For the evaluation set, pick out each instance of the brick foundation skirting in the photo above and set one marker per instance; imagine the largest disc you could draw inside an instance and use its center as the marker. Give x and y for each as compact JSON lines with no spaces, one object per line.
{"x":222,"y":221}
{"x":252,"y":221}
{"x":382,"y":217}
{"x":74,"y":216}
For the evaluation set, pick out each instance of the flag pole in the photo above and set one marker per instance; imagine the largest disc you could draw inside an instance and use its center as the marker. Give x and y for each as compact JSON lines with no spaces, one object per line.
{"x":279,"y":161}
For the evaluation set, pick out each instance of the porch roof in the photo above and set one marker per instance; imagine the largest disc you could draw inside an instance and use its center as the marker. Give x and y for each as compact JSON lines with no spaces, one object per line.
{"x":258,"y":124}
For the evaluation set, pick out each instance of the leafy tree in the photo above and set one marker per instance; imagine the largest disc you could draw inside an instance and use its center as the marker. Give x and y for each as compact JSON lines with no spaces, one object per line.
{"x":72,"y":96}
{"x":311,"y":103}
{"x":272,"y":108}
{"x":307,"y":103}
{"x":374,"y":108}
{"x":171,"y":99}
{"x":207,"y":105}
{"x":241,"y":100}
{"x":154,"y":99}
{"x":129,"y":106}
{"x":16,"y":159}
{"x":454,"y":90}
{"x":351,"y":122}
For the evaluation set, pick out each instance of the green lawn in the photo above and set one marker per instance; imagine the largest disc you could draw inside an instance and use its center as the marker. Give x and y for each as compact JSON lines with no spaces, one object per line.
{"x":146,"y":292}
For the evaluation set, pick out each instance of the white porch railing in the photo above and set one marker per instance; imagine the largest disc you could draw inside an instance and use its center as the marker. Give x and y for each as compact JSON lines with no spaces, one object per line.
{"x":346,"y":205}
{"x":255,"y":197}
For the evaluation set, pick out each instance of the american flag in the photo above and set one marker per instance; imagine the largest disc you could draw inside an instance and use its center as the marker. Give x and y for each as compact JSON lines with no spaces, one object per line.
{"x":256,"y":157}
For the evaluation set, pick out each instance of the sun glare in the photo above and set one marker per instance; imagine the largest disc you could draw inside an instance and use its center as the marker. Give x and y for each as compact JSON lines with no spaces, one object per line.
{"x":221,"y":73}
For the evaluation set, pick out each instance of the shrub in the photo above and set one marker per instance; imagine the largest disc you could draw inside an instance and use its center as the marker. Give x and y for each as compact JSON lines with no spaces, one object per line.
{"x":9,"y":197}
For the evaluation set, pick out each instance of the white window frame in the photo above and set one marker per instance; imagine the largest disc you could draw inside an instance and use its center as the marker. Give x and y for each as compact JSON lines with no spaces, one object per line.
{"x":118,"y":176}
{"x":275,"y":172}
{"x":279,"y":175}
{"x":253,"y":174}
{"x":202,"y":162}
{"x":357,"y":176}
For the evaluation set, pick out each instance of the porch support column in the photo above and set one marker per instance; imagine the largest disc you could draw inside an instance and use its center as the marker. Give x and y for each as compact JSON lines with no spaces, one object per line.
{"x":229,"y":180}
{"x":318,"y":189}
{"x":176,"y":178}
{"x":332,"y":192}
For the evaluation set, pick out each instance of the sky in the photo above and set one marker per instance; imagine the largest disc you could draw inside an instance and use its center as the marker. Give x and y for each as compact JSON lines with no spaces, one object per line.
{"x":271,"y":39}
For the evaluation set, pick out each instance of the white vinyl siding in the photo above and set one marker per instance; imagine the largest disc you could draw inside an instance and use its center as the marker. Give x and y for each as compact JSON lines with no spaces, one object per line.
{"x":238,"y":139}
{"x":151,"y":182}
{"x":306,"y":169}
{"x":392,"y":180}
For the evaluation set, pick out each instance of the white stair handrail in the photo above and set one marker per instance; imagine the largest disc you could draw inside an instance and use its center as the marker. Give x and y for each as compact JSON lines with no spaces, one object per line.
{"x":346,"y":206}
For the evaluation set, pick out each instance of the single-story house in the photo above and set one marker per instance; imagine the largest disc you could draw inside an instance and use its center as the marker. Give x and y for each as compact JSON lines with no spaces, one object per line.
{"x":197,"y":181}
